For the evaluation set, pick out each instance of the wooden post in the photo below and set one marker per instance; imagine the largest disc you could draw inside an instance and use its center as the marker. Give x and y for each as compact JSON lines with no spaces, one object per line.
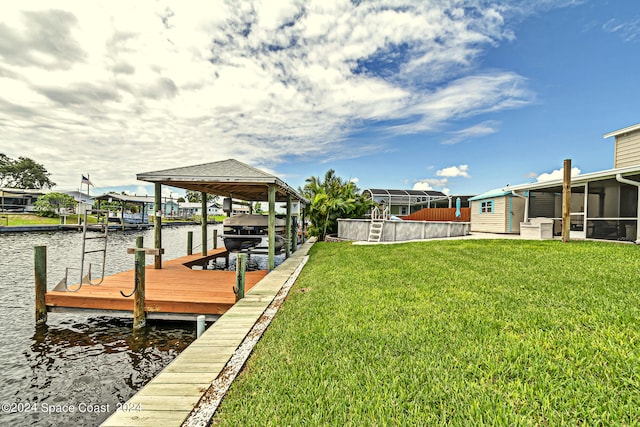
{"x":40,"y":270}
{"x":215,"y":239}
{"x":157,"y":225}
{"x":190,"y":243}
{"x":303,"y":226}
{"x":139,"y":316}
{"x":287,"y":228}
{"x":204,"y":223}
{"x":271,"y":263}
{"x":241,"y":267}
{"x":566,"y":201}
{"x":294,"y":234}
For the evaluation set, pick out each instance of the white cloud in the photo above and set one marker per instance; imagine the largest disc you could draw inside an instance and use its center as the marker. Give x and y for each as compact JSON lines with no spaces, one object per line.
{"x":556,"y":174}
{"x":115,"y":90}
{"x":355,"y":180}
{"x":628,"y":30}
{"x":431,"y":184}
{"x":481,"y":129}
{"x":454,"y":171}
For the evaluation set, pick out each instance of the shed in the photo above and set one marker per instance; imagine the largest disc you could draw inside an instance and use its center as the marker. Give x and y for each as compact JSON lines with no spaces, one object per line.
{"x":497,"y":211}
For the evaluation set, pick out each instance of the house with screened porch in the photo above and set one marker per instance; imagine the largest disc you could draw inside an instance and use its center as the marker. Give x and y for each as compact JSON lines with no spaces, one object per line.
{"x":604,"y":204}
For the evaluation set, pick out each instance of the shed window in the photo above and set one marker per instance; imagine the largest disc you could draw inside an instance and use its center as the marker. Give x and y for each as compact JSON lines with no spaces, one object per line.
{"x":486,"y":207}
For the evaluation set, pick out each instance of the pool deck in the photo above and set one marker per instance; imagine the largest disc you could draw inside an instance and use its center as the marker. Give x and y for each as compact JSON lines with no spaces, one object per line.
{"x":189,"y":389}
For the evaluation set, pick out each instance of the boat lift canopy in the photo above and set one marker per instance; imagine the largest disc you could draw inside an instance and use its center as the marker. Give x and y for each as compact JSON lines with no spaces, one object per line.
{"x":228,"y":178}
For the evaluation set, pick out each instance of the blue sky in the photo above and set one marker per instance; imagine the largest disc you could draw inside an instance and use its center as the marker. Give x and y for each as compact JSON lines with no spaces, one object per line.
{"x":451,"y":95}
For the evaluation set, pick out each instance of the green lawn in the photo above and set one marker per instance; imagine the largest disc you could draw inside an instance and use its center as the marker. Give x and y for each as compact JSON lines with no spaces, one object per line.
{"x":31,"y":219}
{"x":474,"y":332}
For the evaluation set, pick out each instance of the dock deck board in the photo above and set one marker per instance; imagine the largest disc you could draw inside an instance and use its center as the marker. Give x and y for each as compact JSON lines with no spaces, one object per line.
{"x":171,"y":396}
{"x":174,"y":289}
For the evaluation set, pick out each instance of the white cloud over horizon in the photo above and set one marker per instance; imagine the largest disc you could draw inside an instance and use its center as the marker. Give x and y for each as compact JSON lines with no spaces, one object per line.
{"x":441,"y":184}
{"x":556,"y":174}
{"x":114,"y":89}
{"x":454,"y":171}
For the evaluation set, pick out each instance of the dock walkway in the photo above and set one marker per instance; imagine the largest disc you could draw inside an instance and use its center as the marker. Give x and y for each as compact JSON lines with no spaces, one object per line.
{"x":170,"y":398}
{"x":175,"y":291}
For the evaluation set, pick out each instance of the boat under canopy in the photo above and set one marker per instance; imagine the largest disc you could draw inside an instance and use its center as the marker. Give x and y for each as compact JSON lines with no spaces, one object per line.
{"x":245,"y":231}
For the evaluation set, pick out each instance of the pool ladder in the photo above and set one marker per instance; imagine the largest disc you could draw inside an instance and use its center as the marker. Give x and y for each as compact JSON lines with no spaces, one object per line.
{"x":63,"y":285}
{"x":377,"y":223}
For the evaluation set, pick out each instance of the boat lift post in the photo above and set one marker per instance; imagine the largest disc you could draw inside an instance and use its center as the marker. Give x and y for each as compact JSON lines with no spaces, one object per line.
{"x":139,"y":286}
{"x":157,"y":225}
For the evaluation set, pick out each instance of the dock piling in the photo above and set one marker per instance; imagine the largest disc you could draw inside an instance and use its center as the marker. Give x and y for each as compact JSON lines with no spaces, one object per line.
{"x":40,"y":270}
{"x":215,"y":239}
{"x":139,"y":316}
{"x":190,"y":243}
{"x":157,"y":225}
{"x":200,"y":325}
{"x":241,"y":268}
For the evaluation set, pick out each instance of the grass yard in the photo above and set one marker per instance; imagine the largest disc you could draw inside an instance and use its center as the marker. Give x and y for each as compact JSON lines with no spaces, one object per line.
{"x":9,"y":219}
{"x":460,"y":332}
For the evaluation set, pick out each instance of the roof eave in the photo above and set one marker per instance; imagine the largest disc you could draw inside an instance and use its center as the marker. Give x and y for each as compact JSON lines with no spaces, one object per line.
{"x":578,"y":179}
{"x":622,"y":131}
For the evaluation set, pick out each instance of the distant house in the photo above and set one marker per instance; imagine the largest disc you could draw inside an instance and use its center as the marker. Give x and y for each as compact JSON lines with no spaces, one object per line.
{"x":190,"y":209}
{"x":604,"y":204}
{"x":84,"y":201}
{"x":19,"y":200}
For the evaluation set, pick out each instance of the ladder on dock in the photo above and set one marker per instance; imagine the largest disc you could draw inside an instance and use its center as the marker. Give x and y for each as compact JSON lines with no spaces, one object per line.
{"x":100,"y":248}
{"x":377,"y":224}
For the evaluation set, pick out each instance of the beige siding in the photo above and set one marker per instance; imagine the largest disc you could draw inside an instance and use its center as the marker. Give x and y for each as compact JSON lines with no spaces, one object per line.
{"x":489,"y":222}
{"x":506,"y":217}
{"x":517,"y":216}
{"x":627,"y":150}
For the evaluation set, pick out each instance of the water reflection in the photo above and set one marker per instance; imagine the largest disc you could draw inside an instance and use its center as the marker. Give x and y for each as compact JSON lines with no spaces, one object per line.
{"x":75,"y":361}
{"x":81,"y":355}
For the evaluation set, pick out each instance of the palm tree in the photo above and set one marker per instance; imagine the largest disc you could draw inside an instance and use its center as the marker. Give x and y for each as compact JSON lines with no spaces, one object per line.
{"x":331,"y":199}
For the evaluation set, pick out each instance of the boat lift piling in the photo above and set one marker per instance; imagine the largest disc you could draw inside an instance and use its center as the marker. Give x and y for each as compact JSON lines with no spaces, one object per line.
{"x":139,"y":315}
{"x":241,"y":268}
{"x":40,"y":270}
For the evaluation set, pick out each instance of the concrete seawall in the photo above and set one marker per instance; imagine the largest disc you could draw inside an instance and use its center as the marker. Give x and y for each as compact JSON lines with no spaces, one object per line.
{"x":396,"y":231}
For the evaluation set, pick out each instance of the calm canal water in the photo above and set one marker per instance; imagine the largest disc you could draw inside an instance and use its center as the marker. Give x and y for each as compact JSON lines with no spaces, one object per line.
{"x":85,"y":364}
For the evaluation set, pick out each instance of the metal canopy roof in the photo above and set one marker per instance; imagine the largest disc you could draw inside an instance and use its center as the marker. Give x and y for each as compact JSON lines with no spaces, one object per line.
{"x":228,"y":178}
{"x":126,"y":198}
{"x":386,"y":193}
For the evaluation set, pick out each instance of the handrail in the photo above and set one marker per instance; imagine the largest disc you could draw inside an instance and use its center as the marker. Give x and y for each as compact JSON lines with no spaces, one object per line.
{"x":377,"y":215}
{"x":87,"y":279}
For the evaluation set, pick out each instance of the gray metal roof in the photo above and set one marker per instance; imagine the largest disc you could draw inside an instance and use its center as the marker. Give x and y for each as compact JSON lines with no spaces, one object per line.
{"x":126,"y":198}
{"x":229,"y":178}
{"x":386,"y":192}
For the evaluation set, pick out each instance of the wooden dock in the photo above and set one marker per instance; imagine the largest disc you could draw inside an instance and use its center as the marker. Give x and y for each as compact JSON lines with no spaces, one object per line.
{"x":184,"y":392}
{"x":175,"y":292}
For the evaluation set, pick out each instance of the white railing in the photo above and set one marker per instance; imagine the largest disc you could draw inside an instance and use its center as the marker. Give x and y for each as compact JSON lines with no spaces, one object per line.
{"x":380,"y":215}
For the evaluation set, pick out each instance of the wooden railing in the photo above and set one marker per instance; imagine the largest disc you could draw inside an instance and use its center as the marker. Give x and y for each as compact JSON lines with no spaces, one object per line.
{"x":439,"y":214}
